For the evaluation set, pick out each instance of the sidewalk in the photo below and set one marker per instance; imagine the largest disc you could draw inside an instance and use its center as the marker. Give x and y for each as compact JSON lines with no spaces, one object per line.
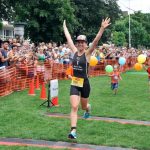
{"x":55,"y":145}
{"x":121,"y":121}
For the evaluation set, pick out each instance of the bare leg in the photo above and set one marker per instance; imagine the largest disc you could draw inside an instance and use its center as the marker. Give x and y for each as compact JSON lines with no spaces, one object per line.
{"x":85,"y":105}
{"x":115,"y":91}
{"x":75,"y":101}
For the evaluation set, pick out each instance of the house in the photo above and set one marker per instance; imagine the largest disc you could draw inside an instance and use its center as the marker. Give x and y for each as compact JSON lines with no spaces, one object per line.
{"x":12,"y":30}
{"x":7,"y":31}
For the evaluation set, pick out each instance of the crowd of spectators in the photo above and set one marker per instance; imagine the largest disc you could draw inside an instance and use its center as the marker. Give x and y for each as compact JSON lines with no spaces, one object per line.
{"x":13,"y":52}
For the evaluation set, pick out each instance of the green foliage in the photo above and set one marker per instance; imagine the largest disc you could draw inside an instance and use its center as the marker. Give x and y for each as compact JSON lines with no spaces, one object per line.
{"x":138,"y":33}
{"x":118,"y":38}
{"x":120,"y":26}
{"x":144,"y":19}
{"x":5,"y":10}
{"x":90,"y":14}
{"x":44,"y":18}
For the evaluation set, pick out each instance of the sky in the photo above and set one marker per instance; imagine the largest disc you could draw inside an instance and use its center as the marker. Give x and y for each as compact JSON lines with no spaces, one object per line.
{"x":135,"y":5}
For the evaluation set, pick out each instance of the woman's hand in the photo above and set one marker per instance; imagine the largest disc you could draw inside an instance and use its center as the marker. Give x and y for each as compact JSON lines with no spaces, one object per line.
{"x":105,"y":23}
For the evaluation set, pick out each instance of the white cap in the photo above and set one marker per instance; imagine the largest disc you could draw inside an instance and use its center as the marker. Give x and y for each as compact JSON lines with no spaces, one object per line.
{"x":81,"y":38}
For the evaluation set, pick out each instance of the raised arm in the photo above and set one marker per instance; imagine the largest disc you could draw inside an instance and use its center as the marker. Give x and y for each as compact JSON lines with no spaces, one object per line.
{"x":105,"y":23}
{"x":68,"y":37}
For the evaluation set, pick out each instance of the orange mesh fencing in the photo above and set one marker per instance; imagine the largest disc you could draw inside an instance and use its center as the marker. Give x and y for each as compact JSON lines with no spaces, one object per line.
{"x":18,"y":77}
{"x":97,"y":70}
{"x":59,"y":71}
{"x":21,"y":77}
{"x":7,"y":80}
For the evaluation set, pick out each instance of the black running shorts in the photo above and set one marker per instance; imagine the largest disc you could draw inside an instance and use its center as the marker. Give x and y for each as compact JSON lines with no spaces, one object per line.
{"x":83,"y":91}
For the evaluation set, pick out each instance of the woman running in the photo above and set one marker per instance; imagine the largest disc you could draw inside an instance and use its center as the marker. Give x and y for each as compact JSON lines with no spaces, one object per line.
{"x":80,"y":86}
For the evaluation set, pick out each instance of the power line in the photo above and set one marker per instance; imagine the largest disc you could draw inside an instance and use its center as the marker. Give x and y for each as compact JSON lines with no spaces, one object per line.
{"x":127,"y":7}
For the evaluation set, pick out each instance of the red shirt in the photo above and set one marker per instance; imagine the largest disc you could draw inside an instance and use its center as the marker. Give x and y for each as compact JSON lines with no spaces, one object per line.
{"x":115,"y":77}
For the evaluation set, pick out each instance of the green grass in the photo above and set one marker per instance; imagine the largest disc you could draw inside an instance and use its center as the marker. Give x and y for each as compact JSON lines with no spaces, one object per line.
{"x":131,"y":102}
{"x":22,"y":117}
{"x":26,"y":148}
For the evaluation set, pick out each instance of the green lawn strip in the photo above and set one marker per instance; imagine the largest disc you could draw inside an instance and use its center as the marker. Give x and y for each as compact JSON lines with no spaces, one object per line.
{"x":22,"y":117}
{"x":131,"y":102}
{"x":33,"y":126}
{"x":26,"y":148}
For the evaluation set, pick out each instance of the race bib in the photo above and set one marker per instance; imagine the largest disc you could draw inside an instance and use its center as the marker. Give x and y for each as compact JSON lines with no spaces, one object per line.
{"x":77,"y":81}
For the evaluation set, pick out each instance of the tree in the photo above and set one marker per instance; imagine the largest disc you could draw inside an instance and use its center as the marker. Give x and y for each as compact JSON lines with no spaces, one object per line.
{"x":144,"y":19}
{"x":90,"y":13}
{"x":138,"y":33}
{"x":118,"y":38}
{"x":44,"y":18}
{"x":6,"y":10}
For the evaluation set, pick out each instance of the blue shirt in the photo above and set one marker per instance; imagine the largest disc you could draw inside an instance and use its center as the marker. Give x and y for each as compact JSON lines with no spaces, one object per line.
{"x":4,"y":54}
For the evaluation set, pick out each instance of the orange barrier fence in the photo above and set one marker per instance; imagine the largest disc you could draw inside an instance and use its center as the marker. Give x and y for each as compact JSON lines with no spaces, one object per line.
{"x":7,"y":80}
{"x":19,"y":77}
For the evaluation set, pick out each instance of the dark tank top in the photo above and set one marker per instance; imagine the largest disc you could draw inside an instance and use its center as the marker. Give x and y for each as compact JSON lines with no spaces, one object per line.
{"x":80,"y":66}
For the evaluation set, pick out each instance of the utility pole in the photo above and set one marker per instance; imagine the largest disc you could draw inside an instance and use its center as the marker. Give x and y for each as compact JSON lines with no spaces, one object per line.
{"x":129,"y":27}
